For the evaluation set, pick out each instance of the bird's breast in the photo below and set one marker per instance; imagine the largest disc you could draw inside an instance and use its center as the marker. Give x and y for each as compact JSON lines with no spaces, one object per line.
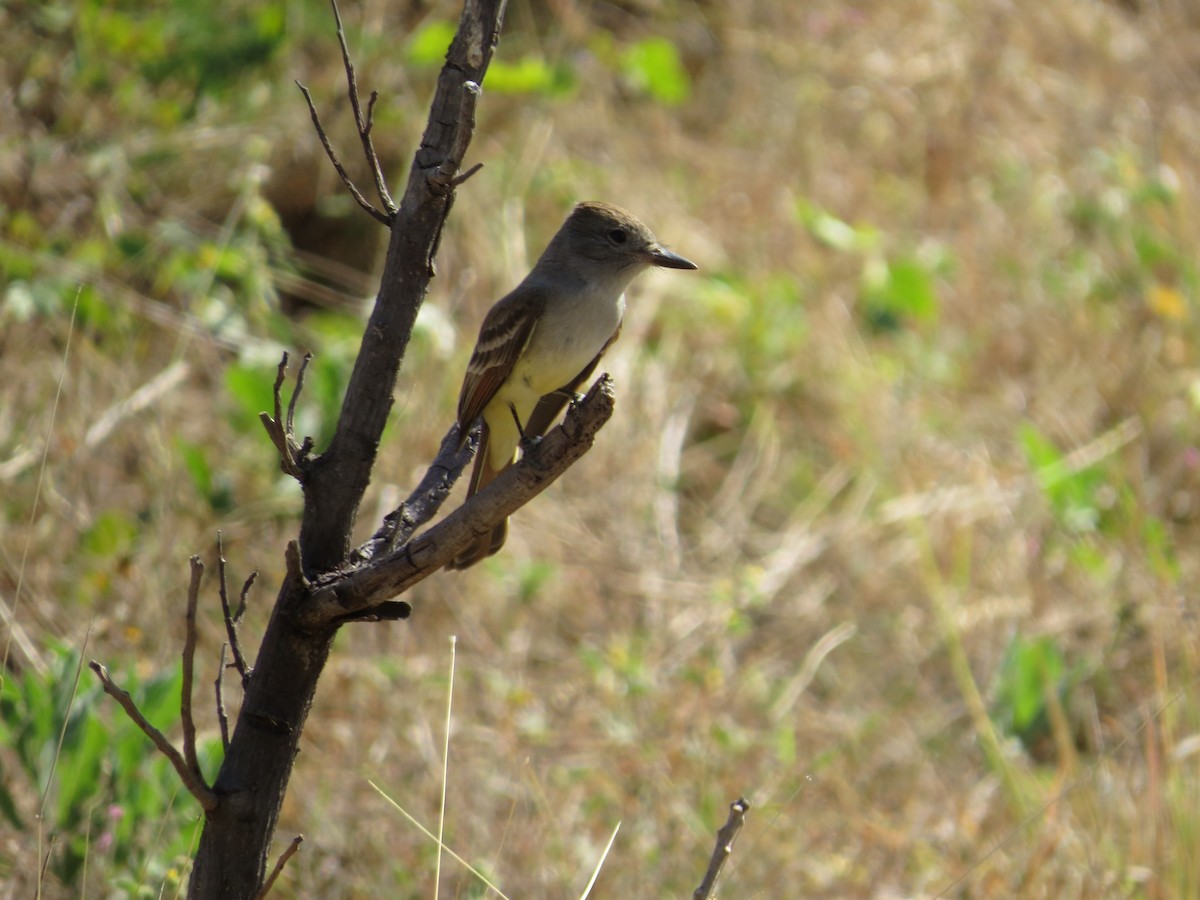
{"x":570,"y":334}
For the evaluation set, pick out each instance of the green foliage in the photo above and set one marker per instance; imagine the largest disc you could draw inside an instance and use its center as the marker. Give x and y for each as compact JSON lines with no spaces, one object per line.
{"x":531,"y":75}
{"x":652,"y":67}
{"x":833,"y":232}
{"x":1128,"y":244}
{"x":894,"y":287}
{"x":214,"y":487}
{"x":895,"y":290}
{"x":111,"y":534}
{"x":1075,"y":493}
{"x":198,"y":48}
{"x":107,"y":791}
{"x":1032,"y":672}
{"x":428,"y":44}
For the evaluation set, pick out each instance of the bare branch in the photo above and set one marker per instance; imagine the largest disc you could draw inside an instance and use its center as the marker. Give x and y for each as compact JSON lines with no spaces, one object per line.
{"x":196,"y":786}
{"x":279,"y":864}
{"x":364,"y":124}
{"x":337,"y":163}
{"x":218,"y":686}
{"x":724,"y":849}
{"x":425,"y":500}
{"x":350,"y":594}
{"x":189,"y":663}
{"x":235,"y":647}
{"x":463,"y":176}
{"x":241,"y":607}
{"x":292,"y":457}
{"x":291,"y":415}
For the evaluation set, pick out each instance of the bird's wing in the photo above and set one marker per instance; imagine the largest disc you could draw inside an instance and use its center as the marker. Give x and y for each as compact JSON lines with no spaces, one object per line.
{"x":551,"y":405}
{"x":503,"y":337}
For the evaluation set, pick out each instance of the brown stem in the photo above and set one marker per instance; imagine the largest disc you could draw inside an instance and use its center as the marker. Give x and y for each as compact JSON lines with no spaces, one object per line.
{"x":189,"y":662}
{"x":235,"y":647}
{"x":287,"y":854}
{"x":195,"y":785}
{"x":726,"y":835}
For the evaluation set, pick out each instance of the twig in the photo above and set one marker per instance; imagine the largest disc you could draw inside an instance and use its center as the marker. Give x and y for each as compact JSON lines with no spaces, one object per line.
{"x":222,"y":716}
{"x":425,"y":500}
{"x":364,"y":124}
{"x":279,"y":864}
{"x":292,"y":456}
{"x":724,"y":849}
{"x":239,"y":662}
{"x":241,"y":607}
{"x":291,"y":415}
{"x":346,"y":595}
{"x":196,"y":786}
{"x":337,"y":163}
{"x":463,"y":176}
{"x":189,"y":663}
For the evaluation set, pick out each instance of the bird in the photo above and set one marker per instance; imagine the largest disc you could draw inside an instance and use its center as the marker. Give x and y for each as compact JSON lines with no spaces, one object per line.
{"x":542,"y":340}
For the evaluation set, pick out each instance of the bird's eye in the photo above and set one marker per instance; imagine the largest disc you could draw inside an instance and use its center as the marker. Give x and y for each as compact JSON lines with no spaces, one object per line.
{"x":618,"y":236}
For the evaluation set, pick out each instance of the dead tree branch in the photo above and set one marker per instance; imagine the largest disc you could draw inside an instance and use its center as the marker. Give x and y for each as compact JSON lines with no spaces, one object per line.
{"x":219,"y":690}
{"x":726,"y":835}
{"x":364,"y":124}
{"x":293,"y":457}
{"x":189,"y":660}
{"x":195,"y":785}
{"x":348,"y":594}
{"x":231,"y":618}
{"x":287,"y":854}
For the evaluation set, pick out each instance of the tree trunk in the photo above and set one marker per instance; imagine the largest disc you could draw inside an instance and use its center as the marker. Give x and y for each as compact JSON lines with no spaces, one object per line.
{"x":232,"y":857}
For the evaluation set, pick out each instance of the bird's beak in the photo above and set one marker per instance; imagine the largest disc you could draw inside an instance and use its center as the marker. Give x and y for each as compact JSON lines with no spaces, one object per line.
{"x":664,"y":258}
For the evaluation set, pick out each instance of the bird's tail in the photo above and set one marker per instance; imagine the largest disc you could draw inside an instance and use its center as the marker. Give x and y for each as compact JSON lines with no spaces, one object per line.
{"x":481,"y":476}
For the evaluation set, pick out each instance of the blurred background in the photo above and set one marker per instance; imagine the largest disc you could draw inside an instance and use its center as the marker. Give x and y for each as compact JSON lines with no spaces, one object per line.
{"x":892,"y":532}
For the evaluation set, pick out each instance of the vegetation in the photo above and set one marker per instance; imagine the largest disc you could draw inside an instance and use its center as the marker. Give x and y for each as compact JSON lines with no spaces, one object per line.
{"x":893,"y":531}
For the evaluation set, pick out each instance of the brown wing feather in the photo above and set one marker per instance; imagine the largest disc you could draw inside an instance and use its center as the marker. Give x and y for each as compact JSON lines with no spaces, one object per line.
{"x":505,"y":332}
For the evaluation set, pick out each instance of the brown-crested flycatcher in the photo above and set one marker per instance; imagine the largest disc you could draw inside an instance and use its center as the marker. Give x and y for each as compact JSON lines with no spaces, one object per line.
{"x":539,"y":343}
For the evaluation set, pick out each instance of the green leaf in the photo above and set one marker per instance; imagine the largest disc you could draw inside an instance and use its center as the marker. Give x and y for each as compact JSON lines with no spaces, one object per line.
{"x":529,"y":75}
{"x":894,"y":290}
{"x":428,"y":44}
{"x":832,"y":231}
{"x":249,"y":387}
{"x":111,"y":534}
{"x":1030,"y":671}
{"x":653,"y":67}
{"x":1071,"y":492}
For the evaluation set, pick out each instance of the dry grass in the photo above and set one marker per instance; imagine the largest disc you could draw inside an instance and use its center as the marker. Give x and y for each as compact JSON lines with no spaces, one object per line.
{"x":796,"y":562}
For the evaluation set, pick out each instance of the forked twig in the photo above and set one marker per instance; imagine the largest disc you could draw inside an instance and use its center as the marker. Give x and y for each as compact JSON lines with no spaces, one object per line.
{"x":726,"y":835}
{"x":195,"y":785}
{"x":364,"y":124}
{"x":231,"y":620}
{"x":292,"y":456}
{"x":337,"y":163}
